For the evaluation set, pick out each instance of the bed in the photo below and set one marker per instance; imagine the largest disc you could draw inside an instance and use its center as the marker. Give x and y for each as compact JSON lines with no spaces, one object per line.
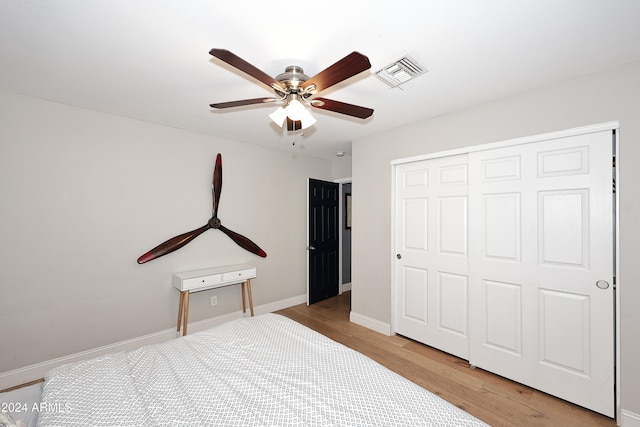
{"x":266,"y":370}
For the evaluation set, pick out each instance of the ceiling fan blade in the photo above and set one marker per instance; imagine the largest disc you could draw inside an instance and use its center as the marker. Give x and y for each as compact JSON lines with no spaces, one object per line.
{"x":293,"y":125}
{"x":349,"y":66}
{"x":342,"y":107}
{"x":242,"y":65}
{"x":243,"y":242}
{"x":172,"y":244}
{"x":242,"y":102}
{"x":216,"y":184}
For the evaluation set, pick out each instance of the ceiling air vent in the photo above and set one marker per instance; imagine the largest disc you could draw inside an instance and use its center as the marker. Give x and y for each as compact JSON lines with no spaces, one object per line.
{"x":401,"y":71}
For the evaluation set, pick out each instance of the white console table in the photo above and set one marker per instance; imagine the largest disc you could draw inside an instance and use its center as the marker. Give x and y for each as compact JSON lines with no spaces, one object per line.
{"x":202,"y":280}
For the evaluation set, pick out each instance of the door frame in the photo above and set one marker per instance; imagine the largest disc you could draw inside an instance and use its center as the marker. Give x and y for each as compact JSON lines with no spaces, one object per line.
{"x":606,"y":126}
{"x":347,"y":286}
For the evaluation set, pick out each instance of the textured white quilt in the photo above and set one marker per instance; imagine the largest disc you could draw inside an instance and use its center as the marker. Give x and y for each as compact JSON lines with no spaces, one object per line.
{"x":262,"y":371}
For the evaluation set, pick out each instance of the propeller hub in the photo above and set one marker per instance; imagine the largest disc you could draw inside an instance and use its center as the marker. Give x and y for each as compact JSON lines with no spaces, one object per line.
{"x":215,"y":222}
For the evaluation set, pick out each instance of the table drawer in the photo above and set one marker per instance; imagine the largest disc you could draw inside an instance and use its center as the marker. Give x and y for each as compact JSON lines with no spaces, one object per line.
{"x":239,"y":275}
{"x":201,"y":282}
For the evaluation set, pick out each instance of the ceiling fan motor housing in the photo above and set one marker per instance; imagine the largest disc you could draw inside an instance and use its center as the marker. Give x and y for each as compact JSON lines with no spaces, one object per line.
{"x":292,"y":78}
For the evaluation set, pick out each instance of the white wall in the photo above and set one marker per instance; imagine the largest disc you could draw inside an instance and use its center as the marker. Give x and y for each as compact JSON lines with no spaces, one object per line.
{"x":602,"y":97}
{"x":83,"y":194}
{"x":342,"y":167}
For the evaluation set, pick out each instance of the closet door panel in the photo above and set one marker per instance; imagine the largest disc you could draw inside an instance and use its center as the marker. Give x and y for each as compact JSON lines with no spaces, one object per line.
{"x":431,"y":264}
{"x":503,"y":308}
{"x":452,"y":303}
{"x":540,"y":242}
{"x":502,"y":227}
{"x":411,"y":293}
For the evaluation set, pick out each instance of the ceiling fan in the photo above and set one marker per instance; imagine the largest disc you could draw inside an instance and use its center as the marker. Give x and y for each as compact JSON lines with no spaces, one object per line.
{"x":296,"y":88}
{"x":177,"y":242}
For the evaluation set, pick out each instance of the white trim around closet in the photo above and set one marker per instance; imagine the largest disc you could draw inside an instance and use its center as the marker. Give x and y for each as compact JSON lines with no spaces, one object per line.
{"x":514,"y":141}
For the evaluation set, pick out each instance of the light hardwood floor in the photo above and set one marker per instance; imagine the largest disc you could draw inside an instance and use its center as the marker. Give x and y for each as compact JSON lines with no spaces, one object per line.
{"x":495,"y":400}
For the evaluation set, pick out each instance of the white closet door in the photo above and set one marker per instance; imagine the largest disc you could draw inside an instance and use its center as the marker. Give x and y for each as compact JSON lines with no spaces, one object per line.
{"x":431,"y":271}
{"x":541,"y":267}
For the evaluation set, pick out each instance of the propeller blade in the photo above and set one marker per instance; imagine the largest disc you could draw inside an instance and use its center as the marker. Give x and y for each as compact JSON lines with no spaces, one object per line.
{"x":293,"y":125}
{"x":349,"y":66}
{"x":342,"y":107}
{"x":172,"y":244}
{"x":240,"y":103}
{"x":242,"y":65}
{"x":243,"y":242}
{"x":216,"y":184}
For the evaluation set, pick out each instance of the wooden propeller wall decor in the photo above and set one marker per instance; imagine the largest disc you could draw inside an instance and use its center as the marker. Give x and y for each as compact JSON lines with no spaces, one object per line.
{"x":177,"y":242}
{"x":293,"y":86}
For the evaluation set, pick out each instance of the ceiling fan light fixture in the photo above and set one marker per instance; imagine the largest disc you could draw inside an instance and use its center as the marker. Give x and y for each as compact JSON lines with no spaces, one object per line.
{"x":295,"y":111}
{"x":278,"y":116}
{"x":307,"y":119}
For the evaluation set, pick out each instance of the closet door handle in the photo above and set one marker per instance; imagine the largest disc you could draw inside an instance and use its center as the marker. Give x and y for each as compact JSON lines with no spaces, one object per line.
{"x":311,"y":248}
{"x":398,"y":256}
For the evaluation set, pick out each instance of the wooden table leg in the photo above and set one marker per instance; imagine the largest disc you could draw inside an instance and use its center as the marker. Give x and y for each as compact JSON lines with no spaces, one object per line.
{"x":250,"y":296}
{"x":180,"y":309}
{"x":244,"y":302}
{"x":186,"y":313}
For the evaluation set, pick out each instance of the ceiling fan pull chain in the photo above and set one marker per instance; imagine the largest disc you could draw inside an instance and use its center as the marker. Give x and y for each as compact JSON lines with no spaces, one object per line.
{"x":294,"y":133}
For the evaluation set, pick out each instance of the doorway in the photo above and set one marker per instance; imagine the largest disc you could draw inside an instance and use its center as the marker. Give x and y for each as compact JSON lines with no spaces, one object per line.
{"x":324,"y":223}
{"x":322,"y":240}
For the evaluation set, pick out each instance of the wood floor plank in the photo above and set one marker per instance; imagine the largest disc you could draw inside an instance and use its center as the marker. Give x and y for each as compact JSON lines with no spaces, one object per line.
{"x":494,"y":399}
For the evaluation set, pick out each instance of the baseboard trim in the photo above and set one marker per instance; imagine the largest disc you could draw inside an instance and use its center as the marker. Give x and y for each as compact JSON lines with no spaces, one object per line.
{"x":368,"y":322}
{"x":36,"y":371}
{"x":629,"y":419}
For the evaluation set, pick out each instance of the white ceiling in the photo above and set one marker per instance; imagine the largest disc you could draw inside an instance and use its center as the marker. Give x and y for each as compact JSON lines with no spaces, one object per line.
{"x":149,"y":60}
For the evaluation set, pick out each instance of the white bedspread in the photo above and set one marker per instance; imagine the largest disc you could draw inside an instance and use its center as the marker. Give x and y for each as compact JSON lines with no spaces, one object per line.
{"x":262,"y":371}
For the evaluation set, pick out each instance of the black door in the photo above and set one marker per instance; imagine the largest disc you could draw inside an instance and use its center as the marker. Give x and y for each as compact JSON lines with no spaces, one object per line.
{"x":323,"y":240}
